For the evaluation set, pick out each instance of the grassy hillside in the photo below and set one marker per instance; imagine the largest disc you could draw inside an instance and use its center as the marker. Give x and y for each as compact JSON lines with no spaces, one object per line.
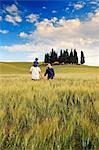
{"x":23,"y":68}
{"x":14,"y":67}
{"x":59,"y":114}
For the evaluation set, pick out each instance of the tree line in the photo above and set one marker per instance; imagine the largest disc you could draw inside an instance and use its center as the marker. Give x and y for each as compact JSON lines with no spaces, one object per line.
{"x":64,"y":57}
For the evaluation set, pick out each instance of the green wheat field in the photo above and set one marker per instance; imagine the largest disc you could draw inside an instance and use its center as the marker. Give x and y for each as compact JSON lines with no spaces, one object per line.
{"x":59,"y":114}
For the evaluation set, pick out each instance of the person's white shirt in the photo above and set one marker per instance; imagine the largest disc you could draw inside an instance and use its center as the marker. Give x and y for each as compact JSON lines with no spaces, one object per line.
{"x":35,"y":72}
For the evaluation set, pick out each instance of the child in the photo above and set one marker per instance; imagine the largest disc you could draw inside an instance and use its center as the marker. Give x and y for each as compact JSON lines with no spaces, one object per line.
{"x":50,"y":72}
{"x":36,"y":62}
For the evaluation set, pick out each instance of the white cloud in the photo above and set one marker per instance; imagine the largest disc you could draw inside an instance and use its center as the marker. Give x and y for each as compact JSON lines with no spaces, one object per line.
{"x":12,"y":9}
{"x":54,"y":11}
{"x":9,"y":18}
{"x":61,"y":33}
{"x":79,"y":5}
{"x":4,"y":31}
{"x":54,"y":20}
{"x":23,"y":35}
{"x":0,"y":18}
{"x":93,"y":2}
{"x":44,"y":7}
{"x":16,"y":19}
{"x":90,"y":15}
{"x":13,"y":15}
{"x":32,"y":18}
{"x":18,"y":47}
{"x":67,"y":8}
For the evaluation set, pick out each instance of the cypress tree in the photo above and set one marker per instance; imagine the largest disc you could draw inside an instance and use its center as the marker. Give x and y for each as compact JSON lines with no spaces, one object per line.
{"x":71,"y":57}
{"x":82,"y":61}
{"x":75,"y":57}
{"x":66,"y":56}
{"x":61,"y":59}
{"x":53,"y":56}
{"x":47,"y":58}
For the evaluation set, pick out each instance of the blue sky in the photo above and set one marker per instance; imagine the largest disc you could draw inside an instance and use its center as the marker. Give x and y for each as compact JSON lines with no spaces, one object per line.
{"x":29,"y":29}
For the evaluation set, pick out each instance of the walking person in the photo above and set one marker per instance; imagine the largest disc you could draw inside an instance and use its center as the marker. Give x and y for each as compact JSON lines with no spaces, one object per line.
{"x":49,"y":72}
{"x":36,"y":71}
{"x":36,"y":62}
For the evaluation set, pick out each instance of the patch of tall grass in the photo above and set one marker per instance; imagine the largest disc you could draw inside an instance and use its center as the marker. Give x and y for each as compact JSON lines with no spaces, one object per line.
{"x":60,"y":114}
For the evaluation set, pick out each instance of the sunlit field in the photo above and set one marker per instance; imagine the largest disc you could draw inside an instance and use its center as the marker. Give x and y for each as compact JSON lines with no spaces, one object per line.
{"x":59,"y":114}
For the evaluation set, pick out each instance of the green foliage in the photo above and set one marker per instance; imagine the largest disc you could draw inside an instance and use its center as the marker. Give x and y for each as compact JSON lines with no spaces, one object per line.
{"x":59,"y":114}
